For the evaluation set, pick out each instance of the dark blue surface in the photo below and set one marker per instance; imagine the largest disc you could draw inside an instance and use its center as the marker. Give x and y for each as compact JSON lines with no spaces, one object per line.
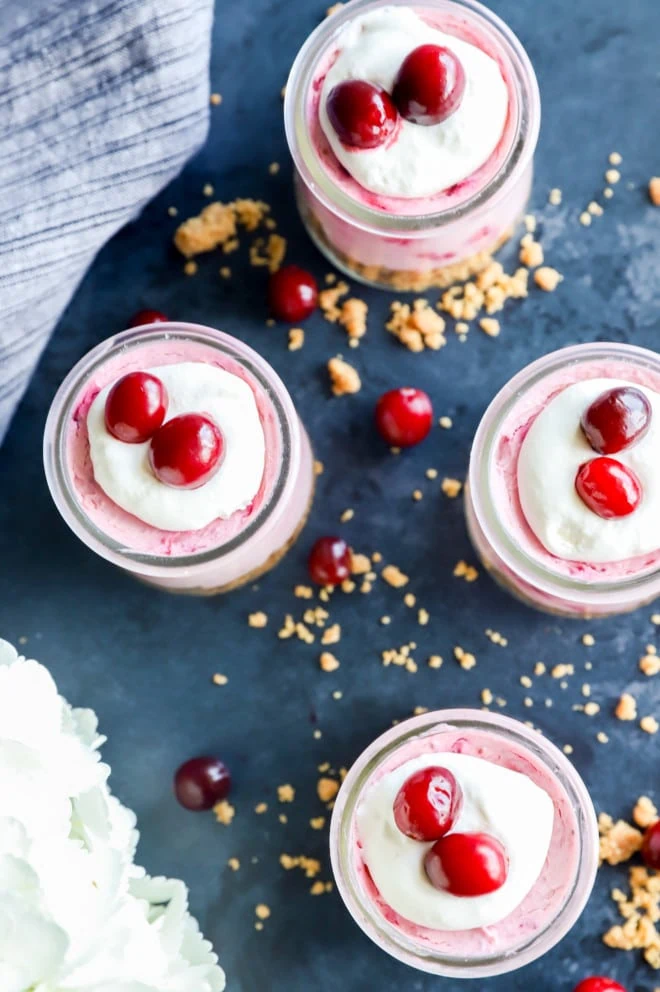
{"x":144,"y":660}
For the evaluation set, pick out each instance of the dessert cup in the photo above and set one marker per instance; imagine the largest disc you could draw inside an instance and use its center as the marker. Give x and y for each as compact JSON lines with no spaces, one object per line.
{"x":552,"y":905}
{"x":225,"y":554}
{"x":508,"y":548}
{"x":414,"y":244}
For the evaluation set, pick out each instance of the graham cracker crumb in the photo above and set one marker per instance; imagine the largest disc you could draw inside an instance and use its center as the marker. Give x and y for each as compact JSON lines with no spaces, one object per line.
{"x":423,"y":617}
{"x":333,"y":9}
{"x":296,"y":338}
{"x":317,"y":822}
{"x":172,"y":211}
{"x":612,"y":176}
{"x":208,"y":190}
{"x":554,"y":197}
{"x":328,"y":662}
{"x":561,"y":671}
{"x":464,"y":571}
{"x":274,"y":168}
{"x":539,"y":668}
{"x":347,"y":515}
{"x":286,"y":793}
{"x":234,"y":864}
{"x":327,"y":789}
{"x":417,"y":495}
{"x":465,"y":659}
{"x":269,"y":253}
{"x":531,"y":254}
{"x":451,"y":487}
{"x":614,"y":158}
{"x":618,"y":841}
{"x":526,"y":682}
{"x":654,"y":191}
{"x":310,"y":866}
{"x":262,"y":911}
{"x":649,"y":725}
{"x":394,"y":577}
{"x":486,"y":697}
{"x":329,"y":299}
{"x":588,"y":640}
{"x":353,"y":318}
{"x":650,"y":663}
{"x":303,"y":592}
{"x":410,"y":599}
{"x":547,"y":278}
{"x":644,"y":813}
{"x":219,"y":679}
{"x":417,"y":327}
{"x":214,"y":226}
{"x":261,"y":808}
{"x":626,"y":708}
{"x":225,"y":272}
{"x":224,"y":812}
{"x":446,"y":423}
{"x":343,"y":377}
{"x":490,"y":326}
{"x":190,"y":268}
{"x":595,"y":209}
{"x":332,"y":635}
{"x":258,"y":619}
{"x":435,"y":661}
{"x":360,"y":564}
{"x":591,"y":709}
{"x":319,"y":467}
{"x":567,"y":749}
{"x":215,"y":99}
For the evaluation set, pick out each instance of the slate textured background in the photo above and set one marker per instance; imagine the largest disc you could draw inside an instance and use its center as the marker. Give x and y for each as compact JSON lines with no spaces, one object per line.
{"x":144,"y":660}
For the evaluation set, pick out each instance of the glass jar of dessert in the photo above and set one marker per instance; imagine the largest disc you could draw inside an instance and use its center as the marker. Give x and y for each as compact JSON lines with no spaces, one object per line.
{"x":412,"y":129}
{"x":175,"y":452}
{"x":464,"y":843}
{"x":563,"y":495}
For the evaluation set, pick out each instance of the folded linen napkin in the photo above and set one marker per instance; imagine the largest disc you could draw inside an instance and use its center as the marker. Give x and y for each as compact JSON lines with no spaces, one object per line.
{"x":101,"y":103}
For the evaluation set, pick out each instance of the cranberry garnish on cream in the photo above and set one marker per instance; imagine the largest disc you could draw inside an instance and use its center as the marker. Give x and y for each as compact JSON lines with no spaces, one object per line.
{"x":429,"y":86}
{"x":608,"y":488}
{"x":428,"y":803}
{"x":186,"y":451}
{"x":404,"y":416}
{"x":361,"y":114}
{"x":616,"y":419}
{"x":201,"y":782}
{"x":467,"y":865}
{"x":135,"y":407}
{"x":330,"y":561}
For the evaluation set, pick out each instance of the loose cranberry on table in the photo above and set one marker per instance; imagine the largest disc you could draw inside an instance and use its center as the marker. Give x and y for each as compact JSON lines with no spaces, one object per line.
{"x":148,"y":317}
{"x":362,"y":114}
{"x":429,"y":86}
{"x":428,"y":804}
{"x":608,"y":487}
{"x":404,"y":417}
{"x":467,"y":864}
{"x":200,"y":783}
{"x":186,"y":451}
{"x":135,"y":407}
{"x":292,"y":294}
{"x":330,"y":561}
{"x":616,"y":419}
{"x":597,"y":983}
{"x":651,"y":847}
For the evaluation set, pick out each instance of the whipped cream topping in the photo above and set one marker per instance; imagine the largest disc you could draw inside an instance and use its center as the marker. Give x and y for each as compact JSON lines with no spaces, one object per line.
{"x":123,"y":471}
{"x":497,"y":801}
{"x":417,"y":160}
{"x":75,"y":911}
{"x":551,"y":454}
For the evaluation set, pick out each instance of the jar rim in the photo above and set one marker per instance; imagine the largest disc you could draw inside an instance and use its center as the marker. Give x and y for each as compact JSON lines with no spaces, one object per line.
{"x":497,"y":534}
{"x":384,"y":934}
{"x":314,"y":175}
{"x":58,"y":423}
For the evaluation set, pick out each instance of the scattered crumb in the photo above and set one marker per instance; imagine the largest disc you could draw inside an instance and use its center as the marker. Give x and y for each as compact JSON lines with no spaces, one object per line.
{"x":608,"y":193}
{"x":215,"y":99}
{"x":224,"y":812}
{"x":394,"y":577}
{"x":274,"y":168}
{"x":286,"y":793}
{"x":649,"y":663}
{"x":451,"y":487}
{"x":612,"y":176}
{"x":588,"y":640}
{"x":618,"y":840}
{"x":327,"y":789}
{"x":626,"y":708}
{"x":490,"y":326}
{"x":591,"y":709}
{"x":554,"y":197}
{"x":303,"y":592}
{"x":410,"y":600}
{"x":262,"y":911}
{"x":353,"y":318}
{"x":317,"y":822}
{"x":331,"y":635}
{"x":539,"y":668}
{"x":561,"y":671}
{"x":258,"y":619}
{"x":310,"y":866}
{"x":464,"y":571}
{"x":268,"y":253}
{"x":329,"y":300}
{"x":190,"y":268}
{"x":261,"y":808}
{"x":567,"y":749}
{"x":417,"y":327}
{"x":486,"y":697}
{"x":649,"y":724}
{"x":615,"y":159}
{"x":333,"y":9}
{"x":422,"y":617}
{"x":343,"y":377}
{"x":172,"y":211}
{"x":654,"y":191}
{"x":595,"y":209}
{"x":234,"y":864}
{"x":431,"y":473}
{"x":547,"y":278}
{"x":435,"y":661}
{"x":219,"y":679}
{"x":328,"y":662}
{"x":296,"y":338}
{"x":417,"y":495}
{"x":644,"y":813}
{"x":446,"y":423}
{"x":525,"y":681}
{"x":531,"y":254}
{"x":216,"y":226}
{"x":319,"y":467}
{"x":465,"y":659}
{"x":225,"y":272}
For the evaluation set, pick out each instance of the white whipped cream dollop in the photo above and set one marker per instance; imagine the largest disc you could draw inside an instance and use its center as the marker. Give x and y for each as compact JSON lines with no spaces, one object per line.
{"x":418,"y":160}
{"x":75,"y":911}
{"x":123,"y":470}
{"x":497,"y":801}
{"x":551,"y":454}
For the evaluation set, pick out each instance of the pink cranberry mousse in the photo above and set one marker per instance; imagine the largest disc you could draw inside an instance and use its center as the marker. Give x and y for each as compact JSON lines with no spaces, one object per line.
{"x":183,"y":455}
{"x":411,"y":115}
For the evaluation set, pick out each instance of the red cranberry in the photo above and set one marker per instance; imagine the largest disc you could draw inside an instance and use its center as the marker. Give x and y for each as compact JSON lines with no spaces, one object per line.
{"x":404,"y":416}
{"x":616,"y":419}
{"x":135,"y":407}
{"x":292,"y":294}
{"x":148,"y":317}
{"x":362,"y":114}
{"x":330,"y":561}
{"x":186,"y":451}
{"x":201,"y":783}
{"x":427,"y":804}
{"x":608,"y":488}
{"x":598,"y":984}
{"x":467,"y":864}
{"x":429,"y":86}
{"x":651,"y":846}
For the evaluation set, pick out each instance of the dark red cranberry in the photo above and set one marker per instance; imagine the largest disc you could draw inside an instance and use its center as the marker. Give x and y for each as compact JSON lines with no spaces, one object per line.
{"x":596,"y":983}
{"x":616,"y":419}
{"x":608,"y":488}
{"x":404,"y":417}
{"x":428,"y":804}
{"x":148,"y":317}
{"x":429,"y":86}
{"x":362,"y":114}
{"x":651,"y":846}
{"x":292,"y":294}
{"x":135,"y":407}
{"x":201,"y":783}
{"x":186,"y":451}
{"x":330,"y":561}
{"x":467,"y":864}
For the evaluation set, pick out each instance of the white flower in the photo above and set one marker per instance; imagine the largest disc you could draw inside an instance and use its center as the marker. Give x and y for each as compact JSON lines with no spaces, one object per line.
{"x":76,"y":913}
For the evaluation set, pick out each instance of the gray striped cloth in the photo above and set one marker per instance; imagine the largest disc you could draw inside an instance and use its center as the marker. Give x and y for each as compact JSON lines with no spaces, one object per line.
{"x":101,"y":103}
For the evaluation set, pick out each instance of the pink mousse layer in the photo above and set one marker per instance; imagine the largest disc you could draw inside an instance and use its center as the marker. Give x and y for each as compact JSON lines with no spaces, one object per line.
{"x":504,"y":472}
{"x":543,"y":902}
{"x":452,"y":197}
{"x":127,"y":529}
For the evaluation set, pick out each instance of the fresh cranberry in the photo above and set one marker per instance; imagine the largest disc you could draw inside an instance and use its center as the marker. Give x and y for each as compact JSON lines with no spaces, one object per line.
{"x":330,"y":561}
{"x":201,"y":783}
{"x":428,"y":803}
{"x":608,"y":488}
{"x":429,"y":86}
{"x":135,"y":407}
{"x":651,"y":846}
{"x":148,"y":317}
{"x":362,"y":114}
{"x":404,"y":416}
{"x":616,"y":419}
{"x":467,"y":864}
{"x":598,"y":984}
{"x":292,"y":294}
{"x":186,"y":451}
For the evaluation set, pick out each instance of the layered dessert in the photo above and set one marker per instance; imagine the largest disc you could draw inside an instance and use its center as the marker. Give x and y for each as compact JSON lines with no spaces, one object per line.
{"x":465,"y":844}
{"x":412,"y":128}
{"x":570,"y":472}
{"x":182,"y":454}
